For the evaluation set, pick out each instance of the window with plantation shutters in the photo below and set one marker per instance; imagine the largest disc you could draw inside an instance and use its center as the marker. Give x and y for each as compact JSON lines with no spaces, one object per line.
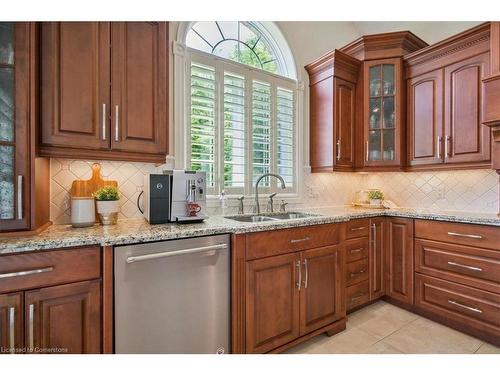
{"x":242,"y":124}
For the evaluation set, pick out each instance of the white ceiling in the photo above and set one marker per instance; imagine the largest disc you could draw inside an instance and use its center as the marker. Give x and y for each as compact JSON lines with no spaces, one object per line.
{"x":431,"y":32}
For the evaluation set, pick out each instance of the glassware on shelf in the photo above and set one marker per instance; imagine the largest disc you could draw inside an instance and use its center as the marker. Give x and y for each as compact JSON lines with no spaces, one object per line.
{"x":375,"y":82}
{"x":388,"y":110}
{"x":374,"y":145}
{"x":375,"y":113}
{"x":389,"y":145}
{"x":388,"y":79}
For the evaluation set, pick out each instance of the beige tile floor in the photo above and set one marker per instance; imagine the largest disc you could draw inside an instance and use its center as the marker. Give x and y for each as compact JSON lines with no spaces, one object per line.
{"x":382,"y":328}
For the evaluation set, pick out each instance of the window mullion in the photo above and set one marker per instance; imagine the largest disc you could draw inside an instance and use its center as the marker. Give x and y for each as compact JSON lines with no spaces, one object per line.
{"x":274,"y":134}
{"x":219,"y":164}
{"x":248,"y":134}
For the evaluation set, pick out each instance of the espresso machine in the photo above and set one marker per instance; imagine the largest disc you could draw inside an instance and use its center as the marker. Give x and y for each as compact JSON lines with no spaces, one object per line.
{"x":188,"y":196}
{"x":175,"y":196}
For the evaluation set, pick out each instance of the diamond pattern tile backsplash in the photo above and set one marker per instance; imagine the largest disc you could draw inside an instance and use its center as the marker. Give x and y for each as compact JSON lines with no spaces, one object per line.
{"x":469,"y":190}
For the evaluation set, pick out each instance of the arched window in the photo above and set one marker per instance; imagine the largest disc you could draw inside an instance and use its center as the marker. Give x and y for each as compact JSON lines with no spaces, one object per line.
{"x":241,"y":106}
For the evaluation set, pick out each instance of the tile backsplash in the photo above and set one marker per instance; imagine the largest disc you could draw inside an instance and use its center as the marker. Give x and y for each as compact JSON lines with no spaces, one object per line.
{"x":469,"y":190}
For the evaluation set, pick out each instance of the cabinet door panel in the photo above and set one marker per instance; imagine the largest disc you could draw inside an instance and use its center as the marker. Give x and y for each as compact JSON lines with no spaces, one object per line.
{"x":75,"y":59}
{"x":322,"y":298}
{"x":11,"y":322}
{"x":345,"y":96}
{"x":399,"y":259}
{"x":376,"y":259}
{"x":139,"y":86}
{"x":66,"y":318}
{"x":467,"y":140}
{"x":425,"y":118}
{"x":272,"y":302}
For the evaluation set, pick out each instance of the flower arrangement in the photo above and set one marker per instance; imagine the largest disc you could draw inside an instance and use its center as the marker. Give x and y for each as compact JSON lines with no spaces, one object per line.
{"x":375,"y":196}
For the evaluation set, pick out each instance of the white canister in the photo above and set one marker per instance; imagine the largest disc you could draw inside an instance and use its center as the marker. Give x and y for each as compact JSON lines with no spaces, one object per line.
{"x":82,"y":211}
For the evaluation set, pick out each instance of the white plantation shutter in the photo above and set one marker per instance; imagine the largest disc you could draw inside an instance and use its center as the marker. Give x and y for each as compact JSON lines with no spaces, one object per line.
{"x":234,"y":130}
{"x":203,"y":121}
{"x":242,"y":125}
{"x":285,"y":119}
{"x":261,"y":131}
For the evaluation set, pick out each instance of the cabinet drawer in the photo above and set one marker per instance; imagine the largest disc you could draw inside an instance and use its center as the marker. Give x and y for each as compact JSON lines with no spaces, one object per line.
{"x":357,"y":295}
{"x":467,"y":265}
{"x":457,"y":233}
{"x":275,"y":242}
{"x":356,"y":272}
{"x":356,"y":249}
{"x":357,"y":228}
{"x":471,"y":307}
{"x":44,"y":268}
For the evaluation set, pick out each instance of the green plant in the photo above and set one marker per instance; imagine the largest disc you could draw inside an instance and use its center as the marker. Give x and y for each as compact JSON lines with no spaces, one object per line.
{"x":107,"y":193}
{"x":375,"y":194}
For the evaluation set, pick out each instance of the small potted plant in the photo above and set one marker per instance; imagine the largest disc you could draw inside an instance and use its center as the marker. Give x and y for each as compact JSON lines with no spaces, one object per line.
{"x":376,"y":197}
{"x":107,"y":204}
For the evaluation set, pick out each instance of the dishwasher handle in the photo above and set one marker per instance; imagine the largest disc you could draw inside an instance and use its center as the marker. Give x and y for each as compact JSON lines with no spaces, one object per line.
{"x":165,"y":254}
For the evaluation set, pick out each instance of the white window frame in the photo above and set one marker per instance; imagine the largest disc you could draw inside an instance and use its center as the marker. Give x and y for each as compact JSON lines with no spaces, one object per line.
{"x":182,"y":132}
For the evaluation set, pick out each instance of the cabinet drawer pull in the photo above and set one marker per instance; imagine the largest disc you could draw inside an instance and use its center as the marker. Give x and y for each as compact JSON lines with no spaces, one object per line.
{"x":300,"y":239}
{"x":306,"y":280}
{"x":475,"y":236}
{"x":465,"y":266}
{"x":25,"y":273}
{"x":31,"y":317}
{"x":12,"y":324}
{"x":299,"y":269}
{"x":358,"y":228}
{"x":358,"y":273}
{"x":352,"y":251}
{"x":357,"y":296}
{"x":474,"y":309}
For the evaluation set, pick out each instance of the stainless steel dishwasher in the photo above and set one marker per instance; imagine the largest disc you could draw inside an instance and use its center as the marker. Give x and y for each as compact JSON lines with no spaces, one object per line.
{"x":173,"y":296}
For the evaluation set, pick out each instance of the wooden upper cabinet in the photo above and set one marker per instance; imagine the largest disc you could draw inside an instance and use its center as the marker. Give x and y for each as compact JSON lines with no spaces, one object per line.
{"x":382,"y":112}
{"x":75,"y":84}
{"x":139,"y":86}
{"x":322,"y":299}
{"x":399,"y":259}
{"x":466,"y":139}
{"x":11,"y":322}
{"x":272,"y":302}
{"x":425,"y":118}
{"x":332,"y":86}
{"x":66,"y":317}
{"x":104,"y":90}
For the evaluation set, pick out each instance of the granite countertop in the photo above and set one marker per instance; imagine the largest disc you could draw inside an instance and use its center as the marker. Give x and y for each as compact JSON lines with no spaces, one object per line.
{"x":138,"y":230}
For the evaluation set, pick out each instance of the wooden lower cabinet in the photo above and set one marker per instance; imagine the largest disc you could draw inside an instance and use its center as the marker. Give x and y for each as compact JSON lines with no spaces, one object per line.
{"x":321,"y":294}
{"x":376,"y":258}
{"x":399,"y":259}
{"x":272,"y":302}
{"x":11,"y":319}
{"x":64,"y":318}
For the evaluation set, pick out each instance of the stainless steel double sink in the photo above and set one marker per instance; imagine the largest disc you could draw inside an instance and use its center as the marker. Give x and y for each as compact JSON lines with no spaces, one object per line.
{"x":270,"y":217}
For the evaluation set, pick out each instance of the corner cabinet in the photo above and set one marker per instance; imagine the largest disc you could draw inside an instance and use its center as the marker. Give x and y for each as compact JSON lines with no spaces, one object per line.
{"x":24,"y":179}
{"x":104,"y":90}
{"x":383,"y":128}
{"x":332,"y":85}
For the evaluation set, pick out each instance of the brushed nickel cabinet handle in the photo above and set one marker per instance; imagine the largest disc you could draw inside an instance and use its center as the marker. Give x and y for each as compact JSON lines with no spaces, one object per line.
{"x":299,"y":269}
{"x":25,"y":273}
{"x":117,"y":123}
{"x":352,"y":251}
{"x":357,"y":296}
{"x":300,"y":239}
{"x":306,"y":280}
{"x":474,"y":309}
{"x":358,"y":273}
{"x":20,"y":197}
{"x":447,"y":147}
{"x":358,"y":228}
{"x":103,"y":121}
{"x":438,"y":146}
{"x":475,"y":236}
{"x":338,"y":149}
{"x":465,"y":266}
{"x":12,"y":324}
{"x":31,"y":317}
{"x":366,"y":156}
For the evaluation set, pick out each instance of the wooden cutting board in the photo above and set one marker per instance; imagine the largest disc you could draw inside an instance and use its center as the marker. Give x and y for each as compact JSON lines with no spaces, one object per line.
{"x":85,"y":188}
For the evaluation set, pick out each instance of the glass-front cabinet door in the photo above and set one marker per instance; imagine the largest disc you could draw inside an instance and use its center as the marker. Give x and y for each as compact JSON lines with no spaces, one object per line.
{"x":14,"y":137}
{"x":382,"y":117}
